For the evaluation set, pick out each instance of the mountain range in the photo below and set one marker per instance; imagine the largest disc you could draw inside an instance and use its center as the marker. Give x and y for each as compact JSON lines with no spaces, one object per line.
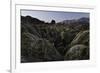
{"x":82,"y":20}
{"x":29,"y":19}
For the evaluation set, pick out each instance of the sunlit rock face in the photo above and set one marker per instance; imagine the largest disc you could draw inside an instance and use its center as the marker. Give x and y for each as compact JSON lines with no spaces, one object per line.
{"x":79,"y":47}
{"x":77,"y":52}
{"x":81,"y":38}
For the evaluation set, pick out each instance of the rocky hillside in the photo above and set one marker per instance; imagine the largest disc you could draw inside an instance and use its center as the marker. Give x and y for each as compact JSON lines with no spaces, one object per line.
{"x":41,"y":42}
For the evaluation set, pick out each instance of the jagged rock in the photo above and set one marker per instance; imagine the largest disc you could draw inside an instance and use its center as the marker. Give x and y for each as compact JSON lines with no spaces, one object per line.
{"x":77,"y":52}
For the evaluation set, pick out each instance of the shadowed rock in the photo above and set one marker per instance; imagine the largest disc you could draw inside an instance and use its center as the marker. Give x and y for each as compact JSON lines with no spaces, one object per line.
{"x":36,"y":49}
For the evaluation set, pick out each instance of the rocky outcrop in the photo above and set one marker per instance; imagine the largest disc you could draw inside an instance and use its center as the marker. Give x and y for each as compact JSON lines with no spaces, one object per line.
{"x":36,"y":49}
{"x":77,"y":52}
{"x":81,"y":38}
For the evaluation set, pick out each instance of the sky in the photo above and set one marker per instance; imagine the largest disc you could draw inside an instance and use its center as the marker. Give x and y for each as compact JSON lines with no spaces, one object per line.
{"x":58,"y":16}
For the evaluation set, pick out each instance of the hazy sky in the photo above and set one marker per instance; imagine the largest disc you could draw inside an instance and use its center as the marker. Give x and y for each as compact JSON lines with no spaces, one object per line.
{"x":47,"y":16}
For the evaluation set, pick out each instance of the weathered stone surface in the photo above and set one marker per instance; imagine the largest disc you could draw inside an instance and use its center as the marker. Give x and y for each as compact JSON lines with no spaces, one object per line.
{"x":38,"y":49}
{"x":77,"y":52}
{"x":81,"y":38}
